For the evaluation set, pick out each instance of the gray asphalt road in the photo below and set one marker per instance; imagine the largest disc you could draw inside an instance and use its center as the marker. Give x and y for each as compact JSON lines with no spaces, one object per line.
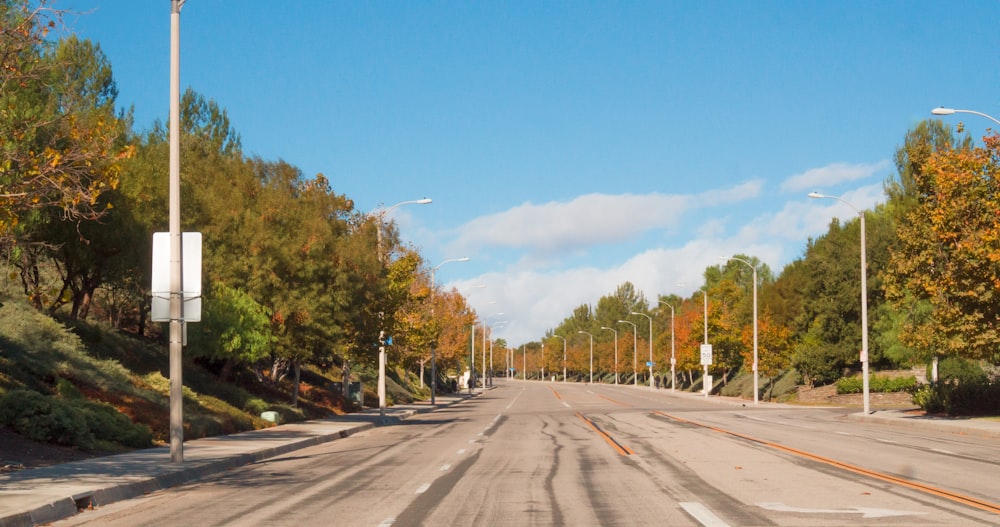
{"x":567,"y":454}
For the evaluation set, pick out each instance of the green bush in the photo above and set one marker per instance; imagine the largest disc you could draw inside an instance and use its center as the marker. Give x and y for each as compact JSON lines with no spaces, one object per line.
{"x":969,"y":398}
{"x":876,"y":383}
{"x":43,"y":418}
{"x":72,"y":420}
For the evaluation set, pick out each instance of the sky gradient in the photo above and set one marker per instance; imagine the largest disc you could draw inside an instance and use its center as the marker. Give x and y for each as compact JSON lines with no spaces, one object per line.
{"x":572,"y":146}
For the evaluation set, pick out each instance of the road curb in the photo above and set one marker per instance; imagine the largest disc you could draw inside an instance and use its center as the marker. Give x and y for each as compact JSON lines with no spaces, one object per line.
{"x":949,"y":425}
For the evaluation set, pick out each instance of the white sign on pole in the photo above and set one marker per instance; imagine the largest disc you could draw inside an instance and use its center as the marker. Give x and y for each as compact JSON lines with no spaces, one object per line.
{"x":706,"y":354}
{"x":190,"y":281}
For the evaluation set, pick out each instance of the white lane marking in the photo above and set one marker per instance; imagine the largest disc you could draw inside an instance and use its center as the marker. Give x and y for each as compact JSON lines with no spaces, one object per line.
{"x":387,"y":522}
{"x":461,"y":452}
{"x":445,"y":467}
{"x":843,"y":433}
{"x":566,"y":404}
{"x":885,"y":441}
{"x":423,"y":488}
{"x":515,"y":399}
{"x":865,"y":512}
{"x":702,"y":514}
{"x":940,"y":451}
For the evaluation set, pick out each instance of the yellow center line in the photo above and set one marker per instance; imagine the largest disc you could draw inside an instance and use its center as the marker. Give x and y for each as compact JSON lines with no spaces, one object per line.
{"x":556,"y":393}
{"x":942,"y":493}
{"x":619,"y":403}
{"x":620,"y":448}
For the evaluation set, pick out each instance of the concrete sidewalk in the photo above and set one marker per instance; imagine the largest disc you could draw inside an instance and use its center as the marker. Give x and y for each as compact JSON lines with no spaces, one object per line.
{"x":41,"y":495}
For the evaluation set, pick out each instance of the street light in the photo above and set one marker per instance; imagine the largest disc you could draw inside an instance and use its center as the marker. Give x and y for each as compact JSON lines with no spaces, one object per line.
{"x":754,"y":267}
{"x":705,"y":383}
{"x":591,"y":355}
{"x":616,"y":350}
{"x":673,"y":357}
{"x":949,"y":111}
{"x":434,"y":342}
{"x":381,"y":333}
{"x":864,"y":295}
{"x":564,"y":354}
{"x":175,"y":349}
{"x":650,"y":319}
{"x":635,"y":363}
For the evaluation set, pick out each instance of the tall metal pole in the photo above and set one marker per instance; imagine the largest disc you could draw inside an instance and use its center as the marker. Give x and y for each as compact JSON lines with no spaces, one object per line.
{"x":704,"y":293}
{"x":591,"y":354}
{"x":864,"y":291}
{"x":564,"y":355}
{"x":380,"y":218}
{"x":673,"y":356}
{"x":864,"y":314}
{"x":176,"y":271}
{"x":483,"y":362}
{"x":756,"y":396}
{"x":472,"y":359}
{"x":434,"y":343}
{"x":616,"y":350}
{"x":650,"y":319}
{"x":524,"y":363}
{"x":635,"y":354}
{"x":543,"y":360}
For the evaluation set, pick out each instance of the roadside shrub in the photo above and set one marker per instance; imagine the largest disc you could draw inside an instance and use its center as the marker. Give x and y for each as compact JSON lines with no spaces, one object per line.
{"x":72,"y":421}
{"x":958,"y":370}
{"x":968,"y":398}
{"x":43,"y":418}
{"x":876,"y":383}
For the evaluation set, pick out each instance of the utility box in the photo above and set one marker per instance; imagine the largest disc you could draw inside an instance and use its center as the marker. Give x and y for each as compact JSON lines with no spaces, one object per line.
{"x":270,"y":416}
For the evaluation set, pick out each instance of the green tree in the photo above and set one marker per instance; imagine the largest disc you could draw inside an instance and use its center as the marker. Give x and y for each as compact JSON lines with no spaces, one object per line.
{"x":58,"y":134}
{"x":234,"y":330}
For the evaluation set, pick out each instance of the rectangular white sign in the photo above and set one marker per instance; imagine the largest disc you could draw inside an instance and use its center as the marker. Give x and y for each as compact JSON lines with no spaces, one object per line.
{"x":706,"y":354}
{"x":190,"y":281}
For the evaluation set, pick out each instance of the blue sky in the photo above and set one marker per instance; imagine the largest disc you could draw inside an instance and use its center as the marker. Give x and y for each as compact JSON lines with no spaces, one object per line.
{"x":571,"y":146}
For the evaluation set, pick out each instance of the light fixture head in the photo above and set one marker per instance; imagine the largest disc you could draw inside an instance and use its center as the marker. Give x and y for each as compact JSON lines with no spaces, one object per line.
{"x":816,"y":195}
{"x":943,"y":111}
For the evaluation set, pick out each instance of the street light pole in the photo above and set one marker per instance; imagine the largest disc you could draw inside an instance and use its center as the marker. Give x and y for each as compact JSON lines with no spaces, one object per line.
{"x":754,"y":267}
{"x":673,"y":357}
{"x":176,"y":347}
{"x":616,"y":350}
{"x":650,"y":319}
{"x":635,"y":355}
{"x":564,"y":355}
{"x":591,"y":355}
{"x":864,"y":295}
{"x":434,"y":342}
{"x":950,"y":111}
{"x":381,"y":334}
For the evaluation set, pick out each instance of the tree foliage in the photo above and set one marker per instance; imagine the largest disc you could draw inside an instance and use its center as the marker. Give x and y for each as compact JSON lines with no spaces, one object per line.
{"x":949,"y":253}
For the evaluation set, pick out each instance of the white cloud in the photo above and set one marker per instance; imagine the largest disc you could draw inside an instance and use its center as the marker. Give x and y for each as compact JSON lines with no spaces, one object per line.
{"x":830,"y":175}
{"x":538,"y":299}
{"x":588,"y":220}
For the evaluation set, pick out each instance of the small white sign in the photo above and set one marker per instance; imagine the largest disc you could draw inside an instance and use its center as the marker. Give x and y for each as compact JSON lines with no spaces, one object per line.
{"x":706,"y":354}
{"x":190,"y":281}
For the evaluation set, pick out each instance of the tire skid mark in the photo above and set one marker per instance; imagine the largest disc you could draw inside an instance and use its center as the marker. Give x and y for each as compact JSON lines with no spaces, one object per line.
{"x":620,"y":448}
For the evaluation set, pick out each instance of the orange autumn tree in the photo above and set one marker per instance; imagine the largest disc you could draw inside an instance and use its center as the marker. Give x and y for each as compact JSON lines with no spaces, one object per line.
{"x":948,"y":254}
{"x":774,"y":347}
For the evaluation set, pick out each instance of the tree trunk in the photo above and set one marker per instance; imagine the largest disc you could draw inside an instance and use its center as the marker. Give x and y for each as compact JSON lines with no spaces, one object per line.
{"x":297,"y":368}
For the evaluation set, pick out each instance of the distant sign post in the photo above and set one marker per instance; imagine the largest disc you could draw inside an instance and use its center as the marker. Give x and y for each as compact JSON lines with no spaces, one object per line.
{"x":706,"y":361}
